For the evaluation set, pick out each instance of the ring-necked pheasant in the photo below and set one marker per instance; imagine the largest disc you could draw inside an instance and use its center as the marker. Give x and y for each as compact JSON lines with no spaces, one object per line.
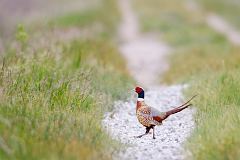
{"x":150,"y":117}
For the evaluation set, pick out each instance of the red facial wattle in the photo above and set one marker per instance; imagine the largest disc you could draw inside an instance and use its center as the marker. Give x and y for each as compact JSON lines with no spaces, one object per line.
{"x":138,"y":89}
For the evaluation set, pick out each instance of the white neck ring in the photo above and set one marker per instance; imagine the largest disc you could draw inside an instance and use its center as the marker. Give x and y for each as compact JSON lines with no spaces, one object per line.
{"x":140,"y":99}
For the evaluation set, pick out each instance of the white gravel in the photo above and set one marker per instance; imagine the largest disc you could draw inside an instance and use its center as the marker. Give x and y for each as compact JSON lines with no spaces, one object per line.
{"x":146,"y":61}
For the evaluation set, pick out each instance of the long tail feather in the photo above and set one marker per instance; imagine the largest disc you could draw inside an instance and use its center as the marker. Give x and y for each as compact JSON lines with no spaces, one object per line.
{"x":179,"y":108}
{"x":187,"y":101}
{"x":176,"y":110}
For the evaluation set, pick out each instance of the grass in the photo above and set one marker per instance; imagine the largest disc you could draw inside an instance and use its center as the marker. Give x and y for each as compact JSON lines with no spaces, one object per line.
{"x":228,"y":9}
{"x":210,"y":64}
{"x":217,"y":133}
{"x":53,"y":97}
{"x":57,"y":105}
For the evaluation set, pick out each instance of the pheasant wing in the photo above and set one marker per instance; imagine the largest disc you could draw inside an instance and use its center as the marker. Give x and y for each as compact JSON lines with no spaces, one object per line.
{"x":157,"y":115}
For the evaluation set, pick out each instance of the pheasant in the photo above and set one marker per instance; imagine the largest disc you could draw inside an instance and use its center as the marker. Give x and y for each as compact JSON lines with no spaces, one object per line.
{"x":150,"y":117}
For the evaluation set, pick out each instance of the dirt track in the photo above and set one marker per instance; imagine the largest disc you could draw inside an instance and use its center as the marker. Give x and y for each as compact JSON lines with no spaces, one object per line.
{"x":146,"y":56}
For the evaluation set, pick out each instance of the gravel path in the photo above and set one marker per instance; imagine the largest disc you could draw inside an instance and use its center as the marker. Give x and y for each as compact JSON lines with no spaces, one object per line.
{"x":146,"y":56}
{"x":123,"y":125}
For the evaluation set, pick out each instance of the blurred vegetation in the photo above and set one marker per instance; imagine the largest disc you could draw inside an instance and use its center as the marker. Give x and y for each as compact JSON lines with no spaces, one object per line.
{"x":34,"y":11}
{"x":210,"y":64}
{"x":229,"y":9}
{"x":93,"y":16}
{"x":21,"y":36}
{"x":53,"y":96}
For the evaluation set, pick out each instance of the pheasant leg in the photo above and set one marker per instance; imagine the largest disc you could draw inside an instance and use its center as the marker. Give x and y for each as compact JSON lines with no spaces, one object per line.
{"x":153,"y":133}
{"x":147,"y":131}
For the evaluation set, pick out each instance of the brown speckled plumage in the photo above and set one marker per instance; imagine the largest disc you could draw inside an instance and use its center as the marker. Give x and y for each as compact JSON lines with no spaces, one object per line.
{"x":149,"y":116}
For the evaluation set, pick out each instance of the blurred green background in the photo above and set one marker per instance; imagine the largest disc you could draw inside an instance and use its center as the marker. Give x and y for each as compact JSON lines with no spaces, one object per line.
{"x":61,"y":71}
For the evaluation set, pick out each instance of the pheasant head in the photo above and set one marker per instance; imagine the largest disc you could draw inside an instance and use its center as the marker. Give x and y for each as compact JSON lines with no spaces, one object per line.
{"x":140,"y":92}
